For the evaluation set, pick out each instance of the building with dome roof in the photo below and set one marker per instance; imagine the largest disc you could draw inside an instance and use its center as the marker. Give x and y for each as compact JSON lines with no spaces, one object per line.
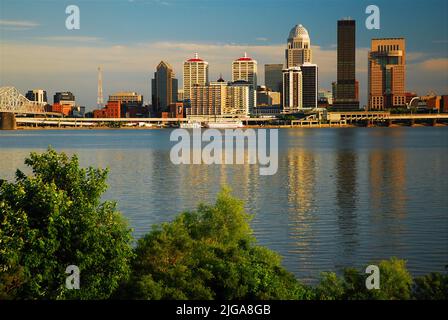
{"x":298,"y":51}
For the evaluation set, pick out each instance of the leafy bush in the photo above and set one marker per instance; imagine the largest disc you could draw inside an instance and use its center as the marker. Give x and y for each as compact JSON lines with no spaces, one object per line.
{"x":209,"y":253}
{"x":53,"y":219}
{"x":395,"y":283}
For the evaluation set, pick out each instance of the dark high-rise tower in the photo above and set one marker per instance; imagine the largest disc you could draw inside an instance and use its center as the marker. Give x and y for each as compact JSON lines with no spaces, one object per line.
{"x":164,"y":88}
{"x":346,"y":95}
{"x":310,"y":83}
{"x":273,"y":74}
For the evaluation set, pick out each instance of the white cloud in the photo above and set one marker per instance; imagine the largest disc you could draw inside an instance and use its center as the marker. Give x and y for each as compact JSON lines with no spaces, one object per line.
{"x":56,"y":66}
{"x":17,"y":24}
{"x":70,"y":39}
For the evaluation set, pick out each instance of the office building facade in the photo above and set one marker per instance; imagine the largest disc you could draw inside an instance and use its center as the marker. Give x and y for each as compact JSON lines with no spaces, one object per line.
{"x":310,"y":82}
{"x":245,"y":68}
{"x":346,"y":96}
{"x":387,"y":74}
{"x":37,"y":95}
{"x":292,"y":90}
{"x":195,"y":73}
{"x":298,"y":50}
{"x":163,"y":88}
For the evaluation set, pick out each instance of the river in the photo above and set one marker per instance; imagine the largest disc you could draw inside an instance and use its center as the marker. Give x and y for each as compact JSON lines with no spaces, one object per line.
{"x":341,"y":197}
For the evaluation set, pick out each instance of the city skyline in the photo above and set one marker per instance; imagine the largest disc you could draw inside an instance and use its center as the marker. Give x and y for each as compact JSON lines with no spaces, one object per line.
{"x":129,"y":57}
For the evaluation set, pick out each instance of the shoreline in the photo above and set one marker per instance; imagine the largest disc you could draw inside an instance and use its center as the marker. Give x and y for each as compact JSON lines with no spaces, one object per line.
{"x":322,"y":126}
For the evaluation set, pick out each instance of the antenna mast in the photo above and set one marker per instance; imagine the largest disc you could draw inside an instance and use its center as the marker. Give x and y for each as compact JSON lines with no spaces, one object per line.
{"x":100,"y":89}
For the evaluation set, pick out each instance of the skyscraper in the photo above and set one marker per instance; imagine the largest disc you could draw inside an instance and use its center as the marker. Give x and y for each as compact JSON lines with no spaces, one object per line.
{"x":292,"y":90}
{"x":387,"y":71}
{"x":309,"y":85}
{"x":164,"y":87}
{"x":298,"y":51}
{"x":345,"y":88}
{"x":273,"y":74}
{"x":195,"y":73}
{"x":245,"y":68}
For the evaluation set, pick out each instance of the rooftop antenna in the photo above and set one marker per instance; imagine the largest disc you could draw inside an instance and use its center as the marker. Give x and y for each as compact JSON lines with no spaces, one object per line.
{"x":100,"y":101}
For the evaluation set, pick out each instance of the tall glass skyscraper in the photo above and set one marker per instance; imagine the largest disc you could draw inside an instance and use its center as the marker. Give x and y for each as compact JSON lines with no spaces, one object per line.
{"x":346,"y":97}
{"x":164,"y":87}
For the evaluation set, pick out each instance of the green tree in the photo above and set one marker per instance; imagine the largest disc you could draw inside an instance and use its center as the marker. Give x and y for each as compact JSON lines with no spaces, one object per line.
{"x":433,"y":286}
{"x":395,"y":283}
{"x":54,"y":218}
{"x":209,"y":253}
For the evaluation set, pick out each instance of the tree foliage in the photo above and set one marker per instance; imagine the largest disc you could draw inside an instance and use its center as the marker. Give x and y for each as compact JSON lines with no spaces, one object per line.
{"x":209,"y":253}
{"x":54,"y":218}
{"x":395,"y":283}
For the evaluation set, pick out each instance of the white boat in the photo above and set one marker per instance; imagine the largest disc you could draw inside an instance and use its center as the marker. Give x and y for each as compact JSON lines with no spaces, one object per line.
{"x":225,"y":125}
{"x":190,"y":125}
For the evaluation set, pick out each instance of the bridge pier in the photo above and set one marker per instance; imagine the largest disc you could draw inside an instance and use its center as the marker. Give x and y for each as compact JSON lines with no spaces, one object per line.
{"x":8,"y":121}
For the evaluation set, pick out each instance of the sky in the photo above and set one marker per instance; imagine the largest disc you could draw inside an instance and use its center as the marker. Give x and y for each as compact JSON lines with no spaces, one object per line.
{"x":128,"y":38}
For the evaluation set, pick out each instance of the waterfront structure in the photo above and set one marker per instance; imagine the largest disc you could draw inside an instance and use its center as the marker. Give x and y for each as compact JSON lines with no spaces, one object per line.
{"x":195,"y":73}
{"x":266,"y":97}
{"x":163,"y":88}
{"x":63,"y":102}
{"x":111,"y":110}
{"x":346,"y":95}
{"x":220,"y":98}
{"x":238,"y":99}
{"x":327,"y":94}
{"x":208,"y":99}
{"x":387,"y":73}
{"x":37,"y":95}
{"x":273,"y":74}
{"x":298,"y":50}
{"x":131,"y":104}
{"x":66,"y":98}
{"x":176,"y":110}
{"x":292,"y":90}
{"x":310,"y":83}
{"x":245,"y":68}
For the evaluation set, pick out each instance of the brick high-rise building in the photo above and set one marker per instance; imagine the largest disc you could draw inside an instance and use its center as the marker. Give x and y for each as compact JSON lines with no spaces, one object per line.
{"x":387,"y":74}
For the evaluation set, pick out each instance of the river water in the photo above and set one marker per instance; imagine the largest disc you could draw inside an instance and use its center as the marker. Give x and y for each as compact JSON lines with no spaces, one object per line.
{"x":341,"y":197}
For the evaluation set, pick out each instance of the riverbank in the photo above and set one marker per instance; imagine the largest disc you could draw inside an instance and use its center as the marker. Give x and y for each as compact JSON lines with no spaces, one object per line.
{"x":320,"y":126}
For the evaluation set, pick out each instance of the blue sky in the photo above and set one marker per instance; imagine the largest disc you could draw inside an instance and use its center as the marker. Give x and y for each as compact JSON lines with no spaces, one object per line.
{"x":128,"y":38}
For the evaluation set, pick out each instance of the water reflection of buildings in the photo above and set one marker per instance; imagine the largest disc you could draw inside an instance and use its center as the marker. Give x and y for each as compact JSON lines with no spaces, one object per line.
{"x":301,"y":166}
{"x":388,"y":182}
{"x":347,"y":192}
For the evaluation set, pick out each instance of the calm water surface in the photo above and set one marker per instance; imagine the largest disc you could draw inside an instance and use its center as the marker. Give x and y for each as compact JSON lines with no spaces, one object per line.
{"x":341,"y":197}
